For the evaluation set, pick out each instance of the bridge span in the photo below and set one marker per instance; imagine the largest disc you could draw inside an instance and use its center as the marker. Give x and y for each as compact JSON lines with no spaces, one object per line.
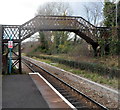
{"x":90,"y":33}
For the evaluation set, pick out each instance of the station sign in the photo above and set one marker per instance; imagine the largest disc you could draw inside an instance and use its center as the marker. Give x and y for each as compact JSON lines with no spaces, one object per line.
{"x":10,"y":44}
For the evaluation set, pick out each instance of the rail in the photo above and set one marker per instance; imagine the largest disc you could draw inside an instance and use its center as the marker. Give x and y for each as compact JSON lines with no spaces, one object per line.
{"x":28,"y":63}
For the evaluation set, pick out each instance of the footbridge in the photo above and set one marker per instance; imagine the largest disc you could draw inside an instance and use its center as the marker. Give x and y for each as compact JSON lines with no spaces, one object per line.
{"x":18,"y":33}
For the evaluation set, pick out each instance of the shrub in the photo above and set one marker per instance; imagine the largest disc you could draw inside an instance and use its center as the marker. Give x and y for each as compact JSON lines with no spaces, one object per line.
{"x":92,"y":67}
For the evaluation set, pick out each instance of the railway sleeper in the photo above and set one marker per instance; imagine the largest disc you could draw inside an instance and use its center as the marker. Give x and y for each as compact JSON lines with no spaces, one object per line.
{"x":82,"y":108}
{"x":65,"y":94}
{"x":60,"y":89}
{"x":76,"y":102}
{"x":72,"y":99}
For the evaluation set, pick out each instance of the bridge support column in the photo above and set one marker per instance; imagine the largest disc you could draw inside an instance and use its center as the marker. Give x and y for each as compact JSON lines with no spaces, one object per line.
{"x":0,"y":66}
{"x":0,"y":49}
{"x":20,"y":64}
{"x":15,"y":32}
{"x":19,"y":50}
{"x":95,"y":45}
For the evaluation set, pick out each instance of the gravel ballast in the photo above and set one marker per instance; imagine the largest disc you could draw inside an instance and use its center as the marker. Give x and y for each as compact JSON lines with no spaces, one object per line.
{"x":102,"y":94}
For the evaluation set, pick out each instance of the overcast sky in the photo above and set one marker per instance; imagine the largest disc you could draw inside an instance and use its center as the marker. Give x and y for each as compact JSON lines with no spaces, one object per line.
{"x":19,"y":11}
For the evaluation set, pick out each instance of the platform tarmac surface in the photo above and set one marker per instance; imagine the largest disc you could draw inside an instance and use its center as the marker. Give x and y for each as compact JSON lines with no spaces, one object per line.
{"x":19,"y":91}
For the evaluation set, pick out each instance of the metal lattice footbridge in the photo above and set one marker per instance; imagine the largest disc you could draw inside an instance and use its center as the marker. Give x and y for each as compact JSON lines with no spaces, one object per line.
{"x":78,"y":25}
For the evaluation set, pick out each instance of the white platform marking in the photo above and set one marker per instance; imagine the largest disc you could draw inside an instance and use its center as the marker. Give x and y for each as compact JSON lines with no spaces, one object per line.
{"x":63,"y":98}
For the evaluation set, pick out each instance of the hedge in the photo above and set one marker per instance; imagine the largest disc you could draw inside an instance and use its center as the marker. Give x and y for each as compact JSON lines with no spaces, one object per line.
{"x":92,"y":67}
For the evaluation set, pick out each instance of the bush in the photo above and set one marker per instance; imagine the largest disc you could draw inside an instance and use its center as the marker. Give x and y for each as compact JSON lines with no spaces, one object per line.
{"x":92,"y":67}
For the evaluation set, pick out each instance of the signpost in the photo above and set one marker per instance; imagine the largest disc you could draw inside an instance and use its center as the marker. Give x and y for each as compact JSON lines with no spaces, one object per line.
{"x":10,"y":46}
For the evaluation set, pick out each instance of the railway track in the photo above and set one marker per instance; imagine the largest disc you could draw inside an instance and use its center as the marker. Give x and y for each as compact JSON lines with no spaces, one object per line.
{"x":78,"y":99}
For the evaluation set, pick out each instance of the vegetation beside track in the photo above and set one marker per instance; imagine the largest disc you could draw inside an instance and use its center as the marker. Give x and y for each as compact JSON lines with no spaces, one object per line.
{"x":102,"y":79}
{"x":88,"y":66}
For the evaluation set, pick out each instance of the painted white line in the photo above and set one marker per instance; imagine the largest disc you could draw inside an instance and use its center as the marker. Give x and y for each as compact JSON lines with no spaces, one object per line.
{"x":63,"y":98}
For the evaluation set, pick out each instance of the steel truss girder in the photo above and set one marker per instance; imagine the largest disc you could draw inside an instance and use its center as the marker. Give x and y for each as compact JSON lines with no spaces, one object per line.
{"x":78,"y":25}
{"x":59,"y":23}
{"x":14,"y":31}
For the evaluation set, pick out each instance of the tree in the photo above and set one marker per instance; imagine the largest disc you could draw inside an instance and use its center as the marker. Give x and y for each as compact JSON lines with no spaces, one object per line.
{"x":109,"y":13}
{"x":93,"y":12}
{"x":55,"y":8}
{"x":118,"y":30}
{"x":110,"y":19}
{"x":43,"y":45}
{"x":118,"y":13}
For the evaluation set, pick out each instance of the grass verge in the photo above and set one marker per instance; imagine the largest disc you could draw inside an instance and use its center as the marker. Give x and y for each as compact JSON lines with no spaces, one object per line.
{"x":105,"y":80}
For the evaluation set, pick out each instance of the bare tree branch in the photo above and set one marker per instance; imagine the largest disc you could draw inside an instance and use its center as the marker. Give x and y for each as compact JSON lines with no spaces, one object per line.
{"x":94,"y":12}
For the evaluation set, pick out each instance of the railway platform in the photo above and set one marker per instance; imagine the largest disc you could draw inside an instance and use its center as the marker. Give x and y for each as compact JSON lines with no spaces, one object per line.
{"x":19,"y":91}
{"x":29,"y":91}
